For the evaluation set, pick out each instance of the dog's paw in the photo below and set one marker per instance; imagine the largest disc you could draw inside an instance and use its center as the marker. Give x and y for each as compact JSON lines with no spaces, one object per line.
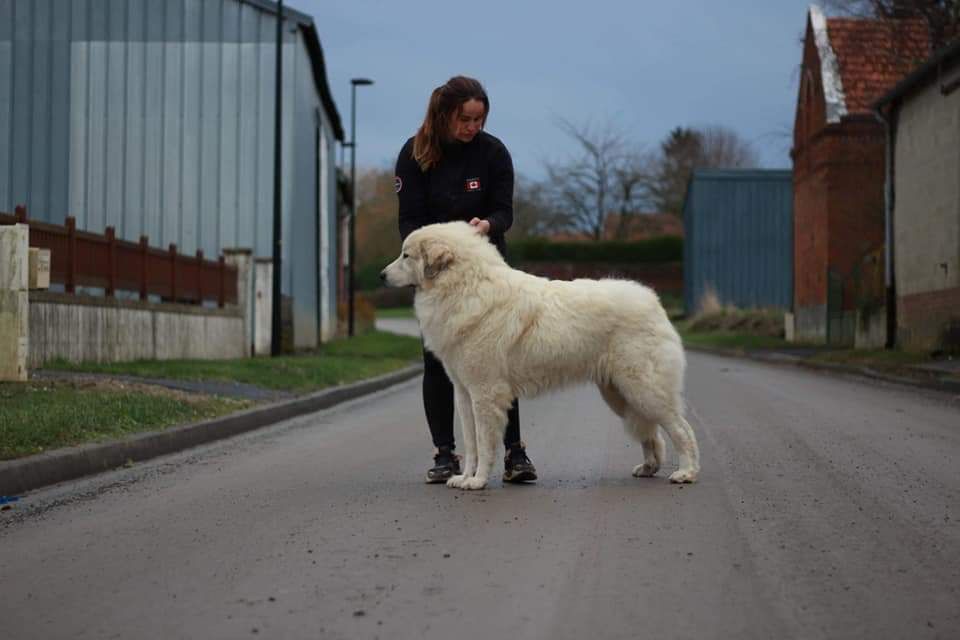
{"x":683,"y":476}
{"x":474,"y":484}
{"x":456,"y":481}
{"x":645,"y":470}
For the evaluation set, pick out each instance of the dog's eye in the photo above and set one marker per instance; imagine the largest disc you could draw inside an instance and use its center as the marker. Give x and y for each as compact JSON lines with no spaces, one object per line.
{"x":404,"y":256}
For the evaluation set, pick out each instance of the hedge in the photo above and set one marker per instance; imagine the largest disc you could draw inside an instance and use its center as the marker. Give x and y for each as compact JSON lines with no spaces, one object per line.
{"x":658,"y":249}
{"x":652,"y":250}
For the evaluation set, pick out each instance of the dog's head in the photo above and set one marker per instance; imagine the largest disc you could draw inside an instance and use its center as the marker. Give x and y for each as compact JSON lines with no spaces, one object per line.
{"x":423,"y":258}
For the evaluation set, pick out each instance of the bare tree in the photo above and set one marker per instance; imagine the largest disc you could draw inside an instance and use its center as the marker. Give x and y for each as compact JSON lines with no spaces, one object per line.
{"x":685,"y":149}
{"x":723,"y":147}
{"x":582,"y":186}
{"x":534,"y":215}
{"x":610,"y":175}
{"x":633,"y":177}
{"x":679,"y":155}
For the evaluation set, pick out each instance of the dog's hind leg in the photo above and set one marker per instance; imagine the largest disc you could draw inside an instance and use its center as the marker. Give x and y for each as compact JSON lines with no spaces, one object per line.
{"x":665,"y":409}
{"x":613,"y":398}
{"x":654,"y":447}
{"x":642,"y":430}
{"x":685,"y":442}
{"x":469,"y":436}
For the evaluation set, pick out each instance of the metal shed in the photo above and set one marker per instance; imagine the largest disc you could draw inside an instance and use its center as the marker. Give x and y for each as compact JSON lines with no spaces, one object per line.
{"x":738,"y":237}
{"x":156,"y":117}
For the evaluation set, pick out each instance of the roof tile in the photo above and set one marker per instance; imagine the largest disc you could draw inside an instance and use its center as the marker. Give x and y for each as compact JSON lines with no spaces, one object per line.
{"x":874,"y":55}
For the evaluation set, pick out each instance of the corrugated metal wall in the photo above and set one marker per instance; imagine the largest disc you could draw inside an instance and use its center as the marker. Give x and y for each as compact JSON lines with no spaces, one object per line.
{"x":156,"y":117}
{"x":738,"y":238}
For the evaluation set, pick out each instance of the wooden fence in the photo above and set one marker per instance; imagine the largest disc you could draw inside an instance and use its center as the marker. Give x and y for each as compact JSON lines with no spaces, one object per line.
{"x":80,"y":258}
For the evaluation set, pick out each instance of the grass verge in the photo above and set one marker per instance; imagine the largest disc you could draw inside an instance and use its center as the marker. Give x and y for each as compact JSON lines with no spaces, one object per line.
{"x":875,"y":358}
{"x":37,"y":416}
{"x":731,"y":340}
{"x":894,"y":362}
{"x":396,"y":312}
{"x":339,"y":362}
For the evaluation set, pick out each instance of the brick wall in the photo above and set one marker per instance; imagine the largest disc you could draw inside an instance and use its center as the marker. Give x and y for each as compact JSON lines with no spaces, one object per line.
{"x":838,"y":216}
{"x":855,"y":199}
{"x":924,"y":318}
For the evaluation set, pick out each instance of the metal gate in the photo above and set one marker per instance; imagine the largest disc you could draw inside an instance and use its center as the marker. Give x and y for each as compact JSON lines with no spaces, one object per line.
{"x":840,"y":325}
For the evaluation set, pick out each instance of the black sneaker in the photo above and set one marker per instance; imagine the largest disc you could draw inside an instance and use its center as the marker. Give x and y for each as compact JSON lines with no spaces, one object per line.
{"x":445,"y":464}
{"x":517,"y":467}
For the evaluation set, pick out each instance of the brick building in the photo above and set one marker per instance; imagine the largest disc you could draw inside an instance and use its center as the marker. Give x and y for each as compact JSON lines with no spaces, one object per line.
{"x":838,"y":169}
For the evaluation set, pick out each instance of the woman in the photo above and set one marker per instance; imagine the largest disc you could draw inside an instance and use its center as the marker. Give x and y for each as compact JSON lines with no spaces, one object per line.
{"x":453,"y":170}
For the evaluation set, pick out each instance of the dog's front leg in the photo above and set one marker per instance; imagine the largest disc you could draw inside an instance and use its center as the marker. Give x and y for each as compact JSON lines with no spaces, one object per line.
{"x":489,"y":421}
{"x":468,"y":436}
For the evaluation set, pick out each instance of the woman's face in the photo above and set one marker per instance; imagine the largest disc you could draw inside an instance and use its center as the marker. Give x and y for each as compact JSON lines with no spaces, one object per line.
{"x":468,"y":122}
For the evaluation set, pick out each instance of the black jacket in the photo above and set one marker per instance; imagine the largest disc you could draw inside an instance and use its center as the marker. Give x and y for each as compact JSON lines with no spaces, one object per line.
{"x":472,"y":180}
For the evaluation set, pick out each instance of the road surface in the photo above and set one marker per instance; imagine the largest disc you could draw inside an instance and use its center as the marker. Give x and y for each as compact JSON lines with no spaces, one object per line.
{"x":827,"y":508}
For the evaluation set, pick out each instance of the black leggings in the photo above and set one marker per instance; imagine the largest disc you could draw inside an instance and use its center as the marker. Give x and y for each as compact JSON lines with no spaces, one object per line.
{"x":438,"y":404}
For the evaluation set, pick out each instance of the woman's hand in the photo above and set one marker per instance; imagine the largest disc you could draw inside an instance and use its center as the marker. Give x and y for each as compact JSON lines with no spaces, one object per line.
{"x":482,"y":226}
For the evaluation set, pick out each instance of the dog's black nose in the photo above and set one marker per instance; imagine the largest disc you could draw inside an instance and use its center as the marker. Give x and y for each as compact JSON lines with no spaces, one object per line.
{"x":383,"y":276}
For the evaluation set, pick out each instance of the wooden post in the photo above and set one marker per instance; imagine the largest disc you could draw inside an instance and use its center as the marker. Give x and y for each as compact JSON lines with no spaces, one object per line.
{"x":144,"y":255}
{"x":200,"y":277}
{"x":111,"y":234}
{"x":173,"y":272}
{"x":21,"y":212}
{"x":221,"y":296}
{"x":71,"y":254}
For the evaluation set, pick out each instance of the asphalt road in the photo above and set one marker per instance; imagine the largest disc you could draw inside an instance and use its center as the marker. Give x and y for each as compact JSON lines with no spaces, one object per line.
{"x":827,"y":508}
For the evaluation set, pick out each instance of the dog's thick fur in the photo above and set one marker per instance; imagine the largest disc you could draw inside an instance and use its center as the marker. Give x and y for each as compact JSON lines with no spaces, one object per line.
{"x":502,"y":333}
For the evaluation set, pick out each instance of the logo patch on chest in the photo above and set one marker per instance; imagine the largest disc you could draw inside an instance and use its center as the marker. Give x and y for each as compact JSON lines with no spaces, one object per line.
{"x":472,"y":184}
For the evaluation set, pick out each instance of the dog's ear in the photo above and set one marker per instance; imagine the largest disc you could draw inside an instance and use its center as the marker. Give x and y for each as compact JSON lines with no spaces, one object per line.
{"x":436,"y":257}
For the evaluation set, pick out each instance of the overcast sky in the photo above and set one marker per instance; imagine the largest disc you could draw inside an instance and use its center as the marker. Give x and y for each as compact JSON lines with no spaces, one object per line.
{"x":648,"y":66}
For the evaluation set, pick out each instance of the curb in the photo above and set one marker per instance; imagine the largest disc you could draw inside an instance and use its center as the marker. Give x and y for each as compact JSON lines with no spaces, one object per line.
{"x":26,"y":474}
{"x":933,"y":383}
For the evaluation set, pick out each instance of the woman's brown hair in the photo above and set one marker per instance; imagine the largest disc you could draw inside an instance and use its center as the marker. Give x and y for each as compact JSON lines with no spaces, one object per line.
{"x":446,"y":101}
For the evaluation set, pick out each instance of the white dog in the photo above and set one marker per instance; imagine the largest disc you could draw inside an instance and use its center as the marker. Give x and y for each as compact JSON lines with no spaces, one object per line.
{"x":502,"y":333}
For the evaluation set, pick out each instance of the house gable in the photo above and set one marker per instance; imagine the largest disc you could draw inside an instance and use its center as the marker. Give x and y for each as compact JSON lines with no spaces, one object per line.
{"x":834,"y":99}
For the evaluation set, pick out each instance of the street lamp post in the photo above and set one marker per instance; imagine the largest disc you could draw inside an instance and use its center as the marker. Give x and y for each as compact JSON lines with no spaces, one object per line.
{"x":354,"y":82}
{"x":276,"y":317}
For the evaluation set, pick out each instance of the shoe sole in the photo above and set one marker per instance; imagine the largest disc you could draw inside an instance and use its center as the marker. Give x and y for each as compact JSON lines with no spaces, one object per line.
{"x":440,"y":479}
{"x":520,"y":477}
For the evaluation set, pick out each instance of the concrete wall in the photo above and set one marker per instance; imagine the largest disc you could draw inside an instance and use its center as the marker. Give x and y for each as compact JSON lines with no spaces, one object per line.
{"x":927,"y":216}
{"x":80,"y":328}
{"x":262,"y":306}
{"x":14,"y":329}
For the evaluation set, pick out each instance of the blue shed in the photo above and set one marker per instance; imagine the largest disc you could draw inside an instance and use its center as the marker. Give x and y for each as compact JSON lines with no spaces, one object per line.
{"x":738,"y":237}
{"x":156,"y":117}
